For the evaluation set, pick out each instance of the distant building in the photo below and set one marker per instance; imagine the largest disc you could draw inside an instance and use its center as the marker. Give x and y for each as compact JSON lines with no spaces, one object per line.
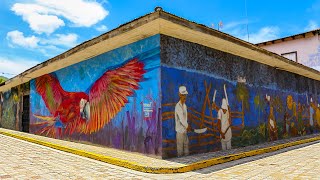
{"x":303,"y":48}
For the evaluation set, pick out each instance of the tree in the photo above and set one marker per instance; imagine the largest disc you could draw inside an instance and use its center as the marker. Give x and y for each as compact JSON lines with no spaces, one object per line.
{"x":3,"y":79}
{"x":259,"y":104}
{"x":242,"y":94}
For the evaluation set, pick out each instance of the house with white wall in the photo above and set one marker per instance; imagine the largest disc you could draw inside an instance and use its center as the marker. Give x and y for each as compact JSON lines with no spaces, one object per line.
{"x":303,"y":48}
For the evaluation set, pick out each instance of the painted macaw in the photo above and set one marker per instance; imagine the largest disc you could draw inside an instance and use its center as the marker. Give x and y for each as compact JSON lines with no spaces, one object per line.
{"x":87,"y":113}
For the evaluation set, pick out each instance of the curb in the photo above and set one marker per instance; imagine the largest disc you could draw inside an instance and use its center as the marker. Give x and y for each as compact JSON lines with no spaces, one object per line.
{"x":162,"y":170}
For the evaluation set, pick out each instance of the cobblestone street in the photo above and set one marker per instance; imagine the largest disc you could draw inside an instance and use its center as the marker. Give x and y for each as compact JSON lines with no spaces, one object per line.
{"x":24,"y":160}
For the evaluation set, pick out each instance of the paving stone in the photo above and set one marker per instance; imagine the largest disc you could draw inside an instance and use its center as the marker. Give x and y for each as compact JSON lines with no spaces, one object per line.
{"x":23,"y":160}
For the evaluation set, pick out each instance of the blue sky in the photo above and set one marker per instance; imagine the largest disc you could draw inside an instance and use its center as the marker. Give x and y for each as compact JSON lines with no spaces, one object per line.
{"x":32,"y":31}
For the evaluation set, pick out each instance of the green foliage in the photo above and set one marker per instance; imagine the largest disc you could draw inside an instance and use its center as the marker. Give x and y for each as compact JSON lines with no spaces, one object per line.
{"x":262,"y":130}
{"x":3,"y":79}
{"x":259,"y":102}
{"x":15,"y":98}
{"x":9,"y":112}
{"x":25,"y":87}
{"x":280,"y":130}
{"x":277,"y":104}
{"x":256,"y":101}
{"x":242,"y":94}
{"x":15,"y":95}
{"x":49,"y":94}
{"x":250,"y":136}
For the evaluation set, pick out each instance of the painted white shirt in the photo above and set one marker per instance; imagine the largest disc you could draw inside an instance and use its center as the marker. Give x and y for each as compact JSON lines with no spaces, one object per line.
{"x":181,"y":118}
{"x":224,"y":117}
{"x":272,"y":123}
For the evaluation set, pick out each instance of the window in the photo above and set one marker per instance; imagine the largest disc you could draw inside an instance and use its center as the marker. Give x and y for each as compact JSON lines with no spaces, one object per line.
{"x":291,"y":55}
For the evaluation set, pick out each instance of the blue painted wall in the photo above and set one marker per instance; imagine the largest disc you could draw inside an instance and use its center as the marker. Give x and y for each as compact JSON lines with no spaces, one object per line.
{"x":255,"y":91}
{"x":136,"y":127}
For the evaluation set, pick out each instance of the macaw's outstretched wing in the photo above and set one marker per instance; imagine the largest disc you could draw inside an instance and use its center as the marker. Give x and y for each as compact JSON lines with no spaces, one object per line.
{"x":110,"y":93}
{"x":48,"y":86}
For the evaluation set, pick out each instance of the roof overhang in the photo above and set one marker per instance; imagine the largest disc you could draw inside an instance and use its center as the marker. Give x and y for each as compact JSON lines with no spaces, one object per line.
{"x":161,"y":22}
{"x":290,"y":38}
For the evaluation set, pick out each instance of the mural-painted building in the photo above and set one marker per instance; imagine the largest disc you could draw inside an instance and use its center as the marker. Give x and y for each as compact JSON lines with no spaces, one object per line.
{"x":303,"y":48}
{"x":165,"y":87}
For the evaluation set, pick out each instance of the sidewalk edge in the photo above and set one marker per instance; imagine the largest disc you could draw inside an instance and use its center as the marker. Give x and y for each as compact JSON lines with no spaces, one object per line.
{"x":162,"y":170}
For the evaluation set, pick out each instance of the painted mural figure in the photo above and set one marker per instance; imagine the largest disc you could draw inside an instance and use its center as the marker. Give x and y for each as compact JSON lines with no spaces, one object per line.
{"x":311,"y":112}
{"x":316,"y":119}
{"x":181,"y":121}
{"x":291,"y":117}
{"x":302,"y":129}
{"x":312,"y":108}
{"x":286,"y":124}
{"x":272,"y":125}
{"x":224,"y":121}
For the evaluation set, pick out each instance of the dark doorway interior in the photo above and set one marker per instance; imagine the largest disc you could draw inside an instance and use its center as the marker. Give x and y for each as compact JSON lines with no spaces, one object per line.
{"x":26,"y":114}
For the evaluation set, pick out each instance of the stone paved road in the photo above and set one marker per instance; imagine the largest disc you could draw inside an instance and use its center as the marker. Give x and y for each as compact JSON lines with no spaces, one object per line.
{"x":24,"y":160}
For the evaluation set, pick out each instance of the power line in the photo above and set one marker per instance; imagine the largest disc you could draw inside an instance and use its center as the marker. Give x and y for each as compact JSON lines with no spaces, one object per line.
{"x":4,"y":73}
{"x":245,"y":6}
{"x":8,"y":73}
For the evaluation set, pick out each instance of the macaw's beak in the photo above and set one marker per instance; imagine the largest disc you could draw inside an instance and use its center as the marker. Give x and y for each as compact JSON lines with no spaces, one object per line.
{"x":85,"y":113}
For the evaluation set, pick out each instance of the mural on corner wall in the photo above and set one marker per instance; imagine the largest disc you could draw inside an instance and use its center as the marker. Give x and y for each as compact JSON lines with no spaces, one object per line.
{"x":84,"y":112}
{"x":112,"y":100}
{"x":203,"y":111}
{"x":212,"y":114}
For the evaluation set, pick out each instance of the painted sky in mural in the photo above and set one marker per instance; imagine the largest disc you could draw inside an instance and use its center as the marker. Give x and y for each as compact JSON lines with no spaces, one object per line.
{"x":91,"y":95}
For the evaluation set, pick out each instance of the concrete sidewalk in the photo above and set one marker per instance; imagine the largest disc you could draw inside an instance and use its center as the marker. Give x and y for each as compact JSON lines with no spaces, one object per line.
{"x":143,"y":163}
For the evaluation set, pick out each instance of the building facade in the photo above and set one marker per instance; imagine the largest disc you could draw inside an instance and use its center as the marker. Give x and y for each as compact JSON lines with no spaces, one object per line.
{"x":302,"y":48}
{"x":165,"y":87}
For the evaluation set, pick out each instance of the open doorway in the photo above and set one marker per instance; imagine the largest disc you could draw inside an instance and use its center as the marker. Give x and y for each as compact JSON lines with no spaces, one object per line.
{"x":26,"y":113}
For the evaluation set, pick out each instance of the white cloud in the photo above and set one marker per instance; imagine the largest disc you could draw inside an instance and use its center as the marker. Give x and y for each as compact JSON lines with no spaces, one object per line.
{"x":104,"y":2}
{"x":38,"y":18}
{"x":102,"y":28}
{"x":45,"y":16}
{"x":264,"y":34}
{"x":17,"y":38}
{"x":50,"y":50}
{"x":66,"y":40}
{"x":312,"y":25}
{"x":80,"y":12}
{"x":234,"y":24}
{"x":48,"y":47}
{"x":14,"y":66}
{"x":239,"y":30}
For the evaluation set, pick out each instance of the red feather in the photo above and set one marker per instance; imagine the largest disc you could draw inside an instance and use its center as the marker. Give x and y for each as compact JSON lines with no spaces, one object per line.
{"x":110,"y":93}
{"x":107,"y":97}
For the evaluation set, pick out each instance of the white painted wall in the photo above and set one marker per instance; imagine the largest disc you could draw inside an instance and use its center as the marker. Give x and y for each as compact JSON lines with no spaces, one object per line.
{"x":308,"y":50}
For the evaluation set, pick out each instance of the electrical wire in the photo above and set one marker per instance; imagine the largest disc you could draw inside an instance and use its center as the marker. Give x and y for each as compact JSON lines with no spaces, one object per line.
{"x":245,"y":6}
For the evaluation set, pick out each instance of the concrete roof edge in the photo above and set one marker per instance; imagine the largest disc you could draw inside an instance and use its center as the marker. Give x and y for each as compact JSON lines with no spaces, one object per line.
{"x":315,"y":31}
{"x":204,"y":29}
